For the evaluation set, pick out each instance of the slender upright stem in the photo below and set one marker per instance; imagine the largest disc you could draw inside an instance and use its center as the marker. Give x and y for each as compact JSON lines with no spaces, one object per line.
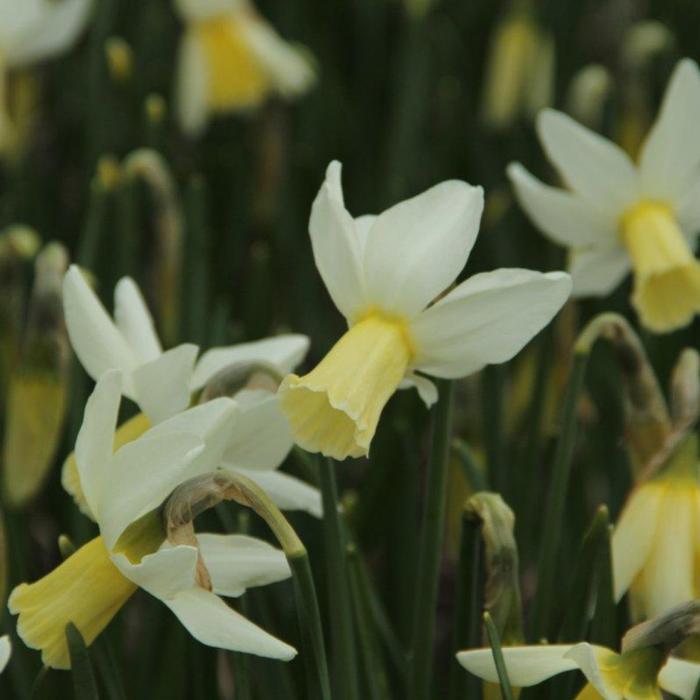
{"x":340,"y":604}
{"x":431,"y":548}
{"x":314,"y":651}
{"x":554,"y":513}
{"x":495,"y":642}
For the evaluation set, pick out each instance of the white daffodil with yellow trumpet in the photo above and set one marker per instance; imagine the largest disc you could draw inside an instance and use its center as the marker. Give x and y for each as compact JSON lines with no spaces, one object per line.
{"x":124,"y":490}
{"x":384,"y":274}
{"x":616,"y":215}
{"x":31,"y":31}
{"x":162,"y":384}
{"x":641,"y":671}
{"x":231,"y":59}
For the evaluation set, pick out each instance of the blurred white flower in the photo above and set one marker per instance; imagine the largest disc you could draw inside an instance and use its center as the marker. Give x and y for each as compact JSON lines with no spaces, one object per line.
{"x":383,"y":272}
{"x":5,"y":652}
{"x":231,"y":59}
{"x":616,"y":215}
{"x":124,"y":490}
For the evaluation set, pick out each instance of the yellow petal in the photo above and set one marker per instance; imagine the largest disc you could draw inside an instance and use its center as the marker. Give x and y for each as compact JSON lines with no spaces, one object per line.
{"x":588,"y":692}
{"x":236,"y":78}
{"x":666,"y":274}
{"x":87,"y":589}
{"x":335,"y":408}
{"x":128,"y":431}
{"x":33,"y":429}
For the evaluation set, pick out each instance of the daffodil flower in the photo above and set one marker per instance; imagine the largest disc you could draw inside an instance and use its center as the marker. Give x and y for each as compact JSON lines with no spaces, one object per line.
{"x":639,"y":674}
{"x":617,"y":215}
{"x":656,"y":542}
{"x":124,"y":490}
{"x":383,"y":272}
{"x":5,"y":652}
{"x":162,"y":383}
{"x":32,"y":31}
{"x":231,"y":59}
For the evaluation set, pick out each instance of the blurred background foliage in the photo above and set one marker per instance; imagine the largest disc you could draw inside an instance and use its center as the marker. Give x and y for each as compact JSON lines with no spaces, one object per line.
{"x":400,"y":101}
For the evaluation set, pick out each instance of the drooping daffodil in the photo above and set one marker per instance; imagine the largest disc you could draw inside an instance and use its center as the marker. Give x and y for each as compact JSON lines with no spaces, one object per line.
{"x":640,"y":671}
{"x":384,"y":273}
{"x":231,"y":59}
{"x":615,"y":215}
{"x":124,"y":490}
{"x":656,"y":542}
{"x":162,"y":384}
{"x":32,"y":31}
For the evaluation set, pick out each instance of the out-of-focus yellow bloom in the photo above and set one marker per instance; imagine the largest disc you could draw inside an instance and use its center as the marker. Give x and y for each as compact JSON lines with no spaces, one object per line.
{"x":520,"y":70}
{"x":587,"y":93}
{"x":617,"y":215}
{"x":120,"y":59}
{"x":383,"y":272}
{"x":37,"y":396}
{"x":231,"y":59}
{"x":31,"y":31}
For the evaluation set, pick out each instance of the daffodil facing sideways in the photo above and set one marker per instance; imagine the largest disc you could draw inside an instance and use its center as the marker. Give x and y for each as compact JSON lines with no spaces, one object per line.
{"x":125,"y":491}
{"x":641,"y":671}
{"x":616,"y":215}
{"x":383,"y":272}
{"x":231,"y":60}
{"x":31,"y":31}
{"x":163,"y":383}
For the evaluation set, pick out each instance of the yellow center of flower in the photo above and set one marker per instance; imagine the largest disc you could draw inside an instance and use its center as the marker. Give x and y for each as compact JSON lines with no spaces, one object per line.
{"x":236,"y":79}
{"x":335,"y":408}
{"x":632,"y":674}
{"x":87,"y":589}
{"x":666,"y":274}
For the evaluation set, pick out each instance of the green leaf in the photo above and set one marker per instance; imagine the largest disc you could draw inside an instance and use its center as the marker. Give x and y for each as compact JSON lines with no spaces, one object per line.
{"x":84,"y":683}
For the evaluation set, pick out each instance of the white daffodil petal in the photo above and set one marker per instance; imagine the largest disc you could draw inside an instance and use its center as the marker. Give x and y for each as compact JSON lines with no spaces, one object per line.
{"x":426,"y":389}
{"x":679,"y":677}
{"x":238,"y":562}
{"x":214,"y":623}
{"x":670,"y":156}
{"x":486,"y":320}
{"x":336,"y":246}
{"x":95,"y":339}
{"x":162,"y":386}
{"x":5,"y":651}
{"x":196,"y":10}
{"x":192,"y":85}
{"x":284,"y":352}
{"x":164,"y":573}
{"x":688,"y":212}
{"x":588,"y":658}
{"x":213,"y":422}
{"x":597,"y":271}
{"x":594,"y":167}
{"x":93,"y":447}
{"x":416,"y":249}
{"x":526,"y":665}
{"x":363,"y":225}
{"x":672,"y":551}
{"x":288,"y":67}
{"x":134,"y":321}
{"x":261,"y":437}
{"x":287,"y":492}
{"x":634,"y":535}
{"x":18,"y":18}
{"x":564,"y":217}
{"x":142,"y":475}
{"x":53,"y":31}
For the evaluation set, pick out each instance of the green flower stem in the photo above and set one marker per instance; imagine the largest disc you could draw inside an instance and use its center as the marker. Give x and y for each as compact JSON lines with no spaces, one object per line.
{"x":314,"y":652}
{"x":430,"y":552}
{"x":601,"y":326}
{"x":468,"y":609}
{"x":377,"y":684}
{"x":494,"y":641}
{"x":604,"y":626}
{"x":340,"y":606}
